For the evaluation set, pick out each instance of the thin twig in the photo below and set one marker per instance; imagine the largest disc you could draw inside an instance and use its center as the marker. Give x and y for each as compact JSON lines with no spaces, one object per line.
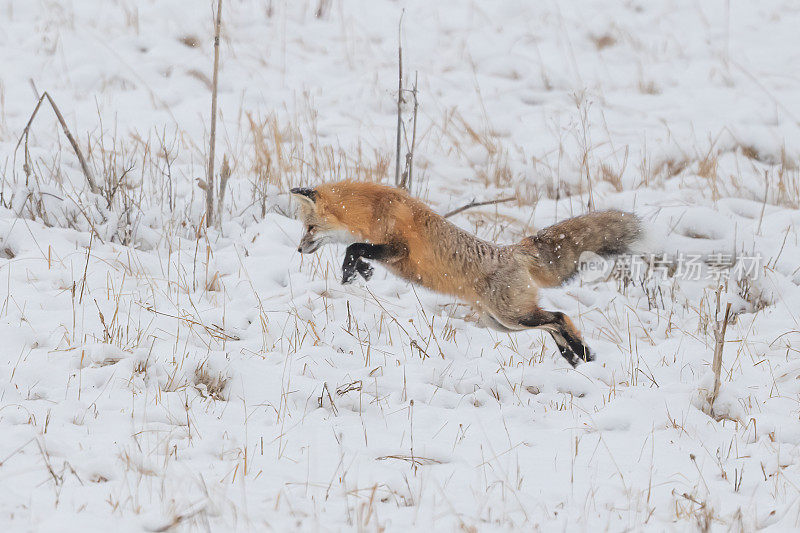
{"x":210,"y":175}
{"x":399,"y":97}
{"x":25,"y":132}
{"x":415,"y":460}
{"x":15,"y":452}
{"x":177,"y":519}
{"x":409,"y":171}
{"x":764,"y":203}
{"x":33,"y":86}
{"x":321,"y":399}
{"x":224,"y":175}
{"x":86,"y":267}
{"x":214,"y":331}
{"x":24,"y":135}
{"x":478,"y":204}
{"x":719,"y":344}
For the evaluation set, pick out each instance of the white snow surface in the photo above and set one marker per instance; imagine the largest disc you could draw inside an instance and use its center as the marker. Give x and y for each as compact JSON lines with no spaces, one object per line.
{"x":155,"y":376}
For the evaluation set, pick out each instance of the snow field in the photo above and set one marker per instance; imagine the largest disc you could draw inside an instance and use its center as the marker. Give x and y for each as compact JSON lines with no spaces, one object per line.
{"x":159,"y":376}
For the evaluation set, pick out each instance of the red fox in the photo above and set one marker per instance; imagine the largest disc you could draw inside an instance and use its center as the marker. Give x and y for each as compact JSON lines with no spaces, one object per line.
{"x":386,"y":224}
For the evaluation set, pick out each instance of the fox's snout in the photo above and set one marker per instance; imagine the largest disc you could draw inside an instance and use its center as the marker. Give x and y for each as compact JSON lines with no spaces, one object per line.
{"x":309,"y":243}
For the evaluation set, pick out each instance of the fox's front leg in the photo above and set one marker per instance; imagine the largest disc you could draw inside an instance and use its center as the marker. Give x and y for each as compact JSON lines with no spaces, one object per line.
{"x":357,"y":252}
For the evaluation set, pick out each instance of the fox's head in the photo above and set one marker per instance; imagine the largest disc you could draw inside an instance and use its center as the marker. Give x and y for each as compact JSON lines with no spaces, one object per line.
{"x":321,"y":223}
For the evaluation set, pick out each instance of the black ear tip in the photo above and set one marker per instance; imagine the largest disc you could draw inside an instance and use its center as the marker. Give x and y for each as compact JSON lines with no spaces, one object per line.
{"x":304,"y":191}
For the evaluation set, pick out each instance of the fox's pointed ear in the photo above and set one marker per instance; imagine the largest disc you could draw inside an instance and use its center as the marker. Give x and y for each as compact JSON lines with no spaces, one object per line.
{"x":304,"y":194}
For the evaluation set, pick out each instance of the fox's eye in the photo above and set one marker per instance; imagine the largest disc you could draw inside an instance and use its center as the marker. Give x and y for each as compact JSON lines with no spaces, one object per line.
{"x":311,"y":227}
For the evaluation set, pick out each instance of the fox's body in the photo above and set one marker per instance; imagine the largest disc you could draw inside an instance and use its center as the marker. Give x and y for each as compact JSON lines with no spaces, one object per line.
{"x":417,"y":244}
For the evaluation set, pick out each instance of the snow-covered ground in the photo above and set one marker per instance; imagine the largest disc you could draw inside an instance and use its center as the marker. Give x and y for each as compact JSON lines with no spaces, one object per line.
{"x":158,"y":376}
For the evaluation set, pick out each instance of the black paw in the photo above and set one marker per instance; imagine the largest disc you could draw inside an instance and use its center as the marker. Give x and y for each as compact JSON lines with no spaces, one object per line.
{"x":575,"y":352}
{"x":348,"y":275}
{"x":351,"y":268}
{"x":364,"y":269}
{"x":571,"y":357}
{"x":581,"y":350}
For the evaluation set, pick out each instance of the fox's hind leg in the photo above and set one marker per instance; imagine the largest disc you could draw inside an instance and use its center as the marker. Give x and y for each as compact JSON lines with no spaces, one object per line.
{"x":357,"y":252}
{"x":563,"y":331}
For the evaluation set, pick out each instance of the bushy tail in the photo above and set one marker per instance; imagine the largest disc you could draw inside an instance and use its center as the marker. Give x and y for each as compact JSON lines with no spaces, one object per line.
{"x":555,"y":251}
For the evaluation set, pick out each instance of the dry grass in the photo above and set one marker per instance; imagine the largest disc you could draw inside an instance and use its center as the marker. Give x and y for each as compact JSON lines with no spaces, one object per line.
{"x":751,"y":294}
{"x":190,"y":41}
{"x":603,"y":41}
{"x":788,"y":187}
{"x":210,"y":384}
{"x":670,"y":168}
{"x":608,"y":175}
{"x":751,"y":152}
{"x":139,"y":175}
{"x":648,"y":87}
{"x":707,"y":166}
{"x":200,"y":76}
{"x":286,"y":155}
{"x":493,"y":167}
{"x":496,"y":171}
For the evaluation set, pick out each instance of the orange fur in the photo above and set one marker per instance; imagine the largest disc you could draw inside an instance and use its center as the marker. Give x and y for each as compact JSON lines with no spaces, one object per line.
{"x":379,"y":214}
